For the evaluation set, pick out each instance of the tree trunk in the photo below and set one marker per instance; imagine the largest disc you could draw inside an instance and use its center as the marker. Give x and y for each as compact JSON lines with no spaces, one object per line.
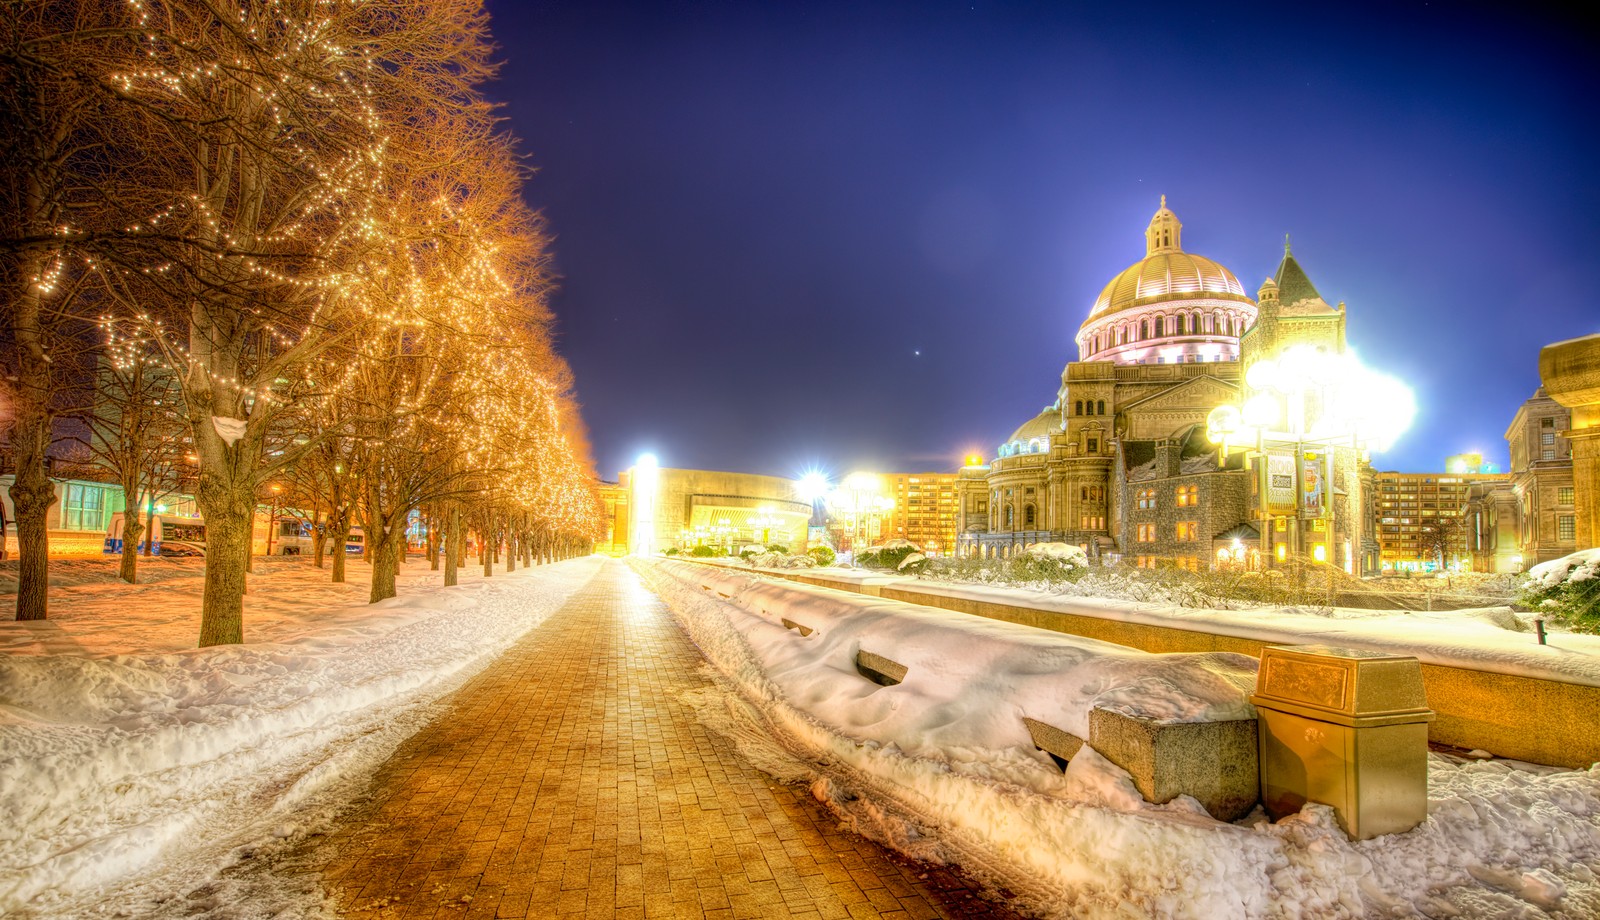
{"x":149,"y":545}
{"x":487,"y":556}
{"x":511,"y":551}
{"x":129,"y":570}
{"x":340,"y":555}
{"x":230,"y":518}
{"x":31,"y":496}
{"x":385,"y":563}
{"x":319,"y":544}
{"x":452,"y":547}
{"x":434,"y":525}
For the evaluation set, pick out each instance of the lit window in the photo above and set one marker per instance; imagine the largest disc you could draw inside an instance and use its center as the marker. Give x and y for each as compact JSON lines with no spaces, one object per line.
{"x":1188,"y":496}
{"x":1147,"y":533}
{"x":84,"y":508}
{"x":1566,"y":527}
{"x":1187,"y":531}
{"x":1564,"y":495}
{"x":1146,"y":498}
{"x":1547,"y":437}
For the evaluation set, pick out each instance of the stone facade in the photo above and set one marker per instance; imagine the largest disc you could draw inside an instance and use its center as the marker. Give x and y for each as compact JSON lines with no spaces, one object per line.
{"x":1541,"y":476}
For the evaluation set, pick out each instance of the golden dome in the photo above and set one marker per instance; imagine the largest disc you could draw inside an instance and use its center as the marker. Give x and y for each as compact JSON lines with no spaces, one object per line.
{"x":1166,"y":273}
{"x":1168,"y":276}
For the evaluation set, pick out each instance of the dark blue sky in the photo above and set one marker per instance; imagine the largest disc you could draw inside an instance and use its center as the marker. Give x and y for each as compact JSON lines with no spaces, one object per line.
{"x":763,"y":211}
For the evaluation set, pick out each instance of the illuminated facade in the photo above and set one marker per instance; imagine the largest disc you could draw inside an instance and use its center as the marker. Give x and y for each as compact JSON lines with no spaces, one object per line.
{"x":1119,"y":462}
{"x":1426,"y":521}
{"x":665,"y":508}
{"x":924,"y":511}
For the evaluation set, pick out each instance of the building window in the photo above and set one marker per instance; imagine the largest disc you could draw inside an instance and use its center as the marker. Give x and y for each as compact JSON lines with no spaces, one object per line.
{"x":1008,"y":517}
{"x":1094,"y":445}
{"x":1188,"y":496}
{"x":1549,"y":453}
{"x":84,"y":508}
{"x":1100,"y":407}
{"x":1028,"y":516}
{"x":1092,"y":522}
{"x":1564,"y":495}
{"x":1077,"y":407}
{"x":1566,"y":527}
{"x":1146,"y":498}
{"x":1547,"y":437}
{"x":1547,"y":423}
{"x":1147,"y":533}
{"x":1187,"y":531}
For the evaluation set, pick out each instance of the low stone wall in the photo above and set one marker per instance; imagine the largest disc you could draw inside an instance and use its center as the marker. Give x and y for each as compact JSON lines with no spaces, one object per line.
{"x":1524,"y":718}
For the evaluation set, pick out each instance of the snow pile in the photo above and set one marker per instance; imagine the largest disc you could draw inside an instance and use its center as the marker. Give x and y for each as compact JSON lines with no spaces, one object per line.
{"x":114,"y":769}
{"x":941,"y":767}
{"x":1069,"y":553}
{"x":1578,"y":567}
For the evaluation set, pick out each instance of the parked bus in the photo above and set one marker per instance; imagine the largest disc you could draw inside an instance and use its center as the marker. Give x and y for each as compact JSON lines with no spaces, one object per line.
{"x":168,"y":536}
{"x":293,"y":537}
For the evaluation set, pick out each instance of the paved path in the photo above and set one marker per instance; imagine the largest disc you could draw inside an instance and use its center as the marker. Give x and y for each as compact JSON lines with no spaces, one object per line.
{"x":569,"y":779}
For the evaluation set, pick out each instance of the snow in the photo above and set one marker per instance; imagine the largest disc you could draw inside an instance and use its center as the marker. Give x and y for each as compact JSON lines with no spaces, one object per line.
{"x":1070,"y":553}
{"x":1575,"y":567}
{"x":941,"y":767}
{"x":228,"y":429}
{"x":133,"y":765}
{"x":910,"y":561}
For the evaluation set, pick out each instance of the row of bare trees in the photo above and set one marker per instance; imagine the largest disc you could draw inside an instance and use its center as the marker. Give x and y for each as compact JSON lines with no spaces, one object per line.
{"x":287,"y":241}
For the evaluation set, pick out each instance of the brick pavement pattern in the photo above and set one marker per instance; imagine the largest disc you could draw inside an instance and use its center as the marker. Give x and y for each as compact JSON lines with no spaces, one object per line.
{"x":569,"y":779}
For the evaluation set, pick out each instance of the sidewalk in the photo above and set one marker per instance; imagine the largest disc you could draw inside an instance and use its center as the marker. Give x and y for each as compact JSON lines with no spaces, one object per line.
{"x":569,"y":779}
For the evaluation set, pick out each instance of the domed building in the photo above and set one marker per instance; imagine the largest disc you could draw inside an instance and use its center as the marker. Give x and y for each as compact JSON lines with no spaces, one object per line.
{"x":1119,"y":462}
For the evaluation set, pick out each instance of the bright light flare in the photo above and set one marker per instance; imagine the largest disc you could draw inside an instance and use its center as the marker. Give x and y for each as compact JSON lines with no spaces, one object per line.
{"x":811,"y":485}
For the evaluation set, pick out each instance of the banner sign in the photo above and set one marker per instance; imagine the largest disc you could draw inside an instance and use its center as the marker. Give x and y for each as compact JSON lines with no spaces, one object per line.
{"x":1312,"y":483}
{"x":1280,"y":483}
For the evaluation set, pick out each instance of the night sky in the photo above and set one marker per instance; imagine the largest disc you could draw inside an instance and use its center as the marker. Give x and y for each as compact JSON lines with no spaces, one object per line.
{"x":864,"y":235}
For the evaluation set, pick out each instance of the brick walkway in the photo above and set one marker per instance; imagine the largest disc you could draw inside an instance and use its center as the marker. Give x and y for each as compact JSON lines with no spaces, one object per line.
{"x":569,"y":779}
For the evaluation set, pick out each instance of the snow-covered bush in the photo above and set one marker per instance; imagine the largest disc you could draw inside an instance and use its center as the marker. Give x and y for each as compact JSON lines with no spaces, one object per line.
{"x":887,"y":556}
{"x":1051,"y":562}
{"x":914,"y":564}
{"x":822,"y":555}
{"x":671,"y":551}
{"x":1568,"y":587}
{"x":751,"y":549}
{"x":778,"y":548}
{"x":703,"y":552}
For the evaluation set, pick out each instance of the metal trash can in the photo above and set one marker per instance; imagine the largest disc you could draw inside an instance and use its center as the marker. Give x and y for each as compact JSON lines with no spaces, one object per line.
{"x":1346,"y":728}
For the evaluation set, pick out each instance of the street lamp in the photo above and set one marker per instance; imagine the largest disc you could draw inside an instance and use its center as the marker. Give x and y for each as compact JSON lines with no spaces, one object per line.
{"x":1303,"y":406}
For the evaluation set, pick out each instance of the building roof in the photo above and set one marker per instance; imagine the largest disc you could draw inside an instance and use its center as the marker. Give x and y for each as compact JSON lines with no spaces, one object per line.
{"x":1042,"y":425}
{"x":1167,"y":273}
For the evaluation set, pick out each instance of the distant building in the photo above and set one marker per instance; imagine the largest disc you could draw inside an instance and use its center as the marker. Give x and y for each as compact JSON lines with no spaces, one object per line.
{"x":924,"y":512}
{"x":1541,"y":473}
{"x":1425,"y":520}
{"x":658,"y":508}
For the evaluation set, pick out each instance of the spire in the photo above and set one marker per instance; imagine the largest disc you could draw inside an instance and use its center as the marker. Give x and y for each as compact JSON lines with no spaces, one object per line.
{"x":1163,"y":233}
{"x":1293,"y":283}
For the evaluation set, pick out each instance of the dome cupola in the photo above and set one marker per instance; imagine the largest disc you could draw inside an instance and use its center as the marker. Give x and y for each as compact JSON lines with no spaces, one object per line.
{"x":1170,"y":307}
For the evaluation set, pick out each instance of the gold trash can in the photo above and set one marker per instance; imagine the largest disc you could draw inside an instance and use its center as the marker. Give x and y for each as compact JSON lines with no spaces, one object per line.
{"x":1346,"y":728}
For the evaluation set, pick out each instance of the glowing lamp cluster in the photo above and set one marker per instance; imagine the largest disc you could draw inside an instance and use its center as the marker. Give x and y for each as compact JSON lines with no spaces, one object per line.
{"x":1311,"y":395}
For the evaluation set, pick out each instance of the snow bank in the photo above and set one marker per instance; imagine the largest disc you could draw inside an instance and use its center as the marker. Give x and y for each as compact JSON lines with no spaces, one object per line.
{"x":940,"y":767}
{"x":113,"y":768}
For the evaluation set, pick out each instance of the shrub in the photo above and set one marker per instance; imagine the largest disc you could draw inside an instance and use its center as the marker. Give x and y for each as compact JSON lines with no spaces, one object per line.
{"x":778,"y":548}
{"x":822,"y":555}
{"x":867,"y":558}
{"x":672,"y":551}
{"x":913,"y":564}
{"x":1569,"y":588}
{"x":703,"y":552}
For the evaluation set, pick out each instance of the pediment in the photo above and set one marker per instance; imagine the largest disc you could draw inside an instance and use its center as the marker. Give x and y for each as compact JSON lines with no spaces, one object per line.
{"x":1200,"y":394}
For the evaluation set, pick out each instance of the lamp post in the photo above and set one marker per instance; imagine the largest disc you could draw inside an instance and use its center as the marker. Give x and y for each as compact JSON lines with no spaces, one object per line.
{"x":1309,"y":404}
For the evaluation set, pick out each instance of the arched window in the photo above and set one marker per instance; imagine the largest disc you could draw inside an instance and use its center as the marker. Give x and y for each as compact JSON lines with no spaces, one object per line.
{"x":1222,"y":323}
{"x":1181,"y":323}
{"x":1100,"y":407}
{"x":1028,"y":516}
{"x":1077,"y":407}
{"x":1144,"y":329}
{"x":1008,"y":517}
